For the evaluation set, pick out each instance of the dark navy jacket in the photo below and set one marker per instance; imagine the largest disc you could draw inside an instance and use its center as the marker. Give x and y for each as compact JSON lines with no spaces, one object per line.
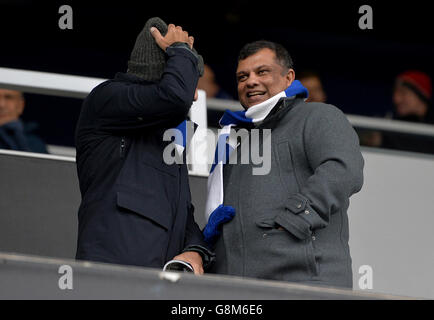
{"x":21,"y":136}
{"x":135,"y":208}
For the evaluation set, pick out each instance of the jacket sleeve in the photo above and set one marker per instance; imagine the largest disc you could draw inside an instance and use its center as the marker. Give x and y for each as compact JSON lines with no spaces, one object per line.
{"x":194,"y":241}
{"x":135,"y":105}
{"x":333,"y":152}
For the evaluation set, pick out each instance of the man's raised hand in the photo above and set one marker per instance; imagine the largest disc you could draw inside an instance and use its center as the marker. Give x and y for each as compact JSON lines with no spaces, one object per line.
{"x":174,"y":34}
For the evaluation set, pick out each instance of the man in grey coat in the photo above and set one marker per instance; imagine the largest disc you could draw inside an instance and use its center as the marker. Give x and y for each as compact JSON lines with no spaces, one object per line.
{"x":290,"y":224}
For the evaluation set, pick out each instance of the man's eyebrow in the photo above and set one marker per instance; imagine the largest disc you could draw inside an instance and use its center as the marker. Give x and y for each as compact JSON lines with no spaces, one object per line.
{"x":262,"y":66}
{"x":256,"y":68}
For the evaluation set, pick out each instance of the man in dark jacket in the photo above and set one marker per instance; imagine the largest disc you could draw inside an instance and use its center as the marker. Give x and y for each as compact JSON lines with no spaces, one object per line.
{"x":14,"y":133}
{"x":136,"y":209}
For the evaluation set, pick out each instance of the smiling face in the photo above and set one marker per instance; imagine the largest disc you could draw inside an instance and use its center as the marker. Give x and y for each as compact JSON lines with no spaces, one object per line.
{"x":260,"y":76}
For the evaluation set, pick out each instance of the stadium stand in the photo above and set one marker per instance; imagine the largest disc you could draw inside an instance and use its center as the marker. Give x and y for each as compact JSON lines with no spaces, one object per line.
{"x":390,"y":223}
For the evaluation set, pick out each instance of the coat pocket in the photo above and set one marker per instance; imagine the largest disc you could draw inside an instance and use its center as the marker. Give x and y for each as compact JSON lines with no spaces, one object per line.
{"x":159,"y":212}
{"x":288,"y":257}
{"x":268,"y":225}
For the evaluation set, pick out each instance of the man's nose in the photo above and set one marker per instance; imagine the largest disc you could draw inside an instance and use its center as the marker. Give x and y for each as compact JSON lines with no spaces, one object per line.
{"x":252,"y":81}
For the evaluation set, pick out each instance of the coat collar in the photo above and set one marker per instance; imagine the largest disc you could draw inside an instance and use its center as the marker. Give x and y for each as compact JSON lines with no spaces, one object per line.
{"x":126,"y":77}
{"x":283,"y":106}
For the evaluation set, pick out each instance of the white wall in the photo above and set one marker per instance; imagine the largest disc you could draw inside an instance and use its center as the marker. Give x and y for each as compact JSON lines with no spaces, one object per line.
{"x":392,"y":222}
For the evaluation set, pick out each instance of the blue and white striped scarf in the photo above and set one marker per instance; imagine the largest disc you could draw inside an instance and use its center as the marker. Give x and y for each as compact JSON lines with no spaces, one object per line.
{"x":182,"y":135}
{"x":215,"y":212}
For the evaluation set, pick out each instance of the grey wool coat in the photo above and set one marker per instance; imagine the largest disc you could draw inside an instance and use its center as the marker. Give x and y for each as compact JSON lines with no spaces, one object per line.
{"x":316,"y":165}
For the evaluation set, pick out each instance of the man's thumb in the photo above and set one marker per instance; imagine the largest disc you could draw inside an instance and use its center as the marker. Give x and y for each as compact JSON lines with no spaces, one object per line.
{"x":156,"y":34}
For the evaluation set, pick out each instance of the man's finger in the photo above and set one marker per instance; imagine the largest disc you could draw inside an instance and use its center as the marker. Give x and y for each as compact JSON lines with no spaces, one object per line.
{"x":191,"y":42}
{"x":157,"y":36}
{"x":155,"y":33}
{"x":197,"y":269}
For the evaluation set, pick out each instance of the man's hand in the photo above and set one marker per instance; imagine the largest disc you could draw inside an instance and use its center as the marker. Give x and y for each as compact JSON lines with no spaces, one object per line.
{"x":193,"y":258}
{"x":174,"y":34}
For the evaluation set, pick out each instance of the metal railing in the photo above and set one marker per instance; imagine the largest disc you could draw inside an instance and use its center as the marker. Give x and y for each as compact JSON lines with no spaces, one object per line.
{"x":362,"y":122}
{"x":78,"y":87}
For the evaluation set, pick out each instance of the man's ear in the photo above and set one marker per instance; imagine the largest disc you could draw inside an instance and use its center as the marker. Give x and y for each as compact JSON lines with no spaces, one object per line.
{"x":290,"y":76}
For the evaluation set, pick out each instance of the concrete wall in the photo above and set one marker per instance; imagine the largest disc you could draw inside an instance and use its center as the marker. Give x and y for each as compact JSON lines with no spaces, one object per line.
{"x":31,"y":277}
{"x":391,"y":222}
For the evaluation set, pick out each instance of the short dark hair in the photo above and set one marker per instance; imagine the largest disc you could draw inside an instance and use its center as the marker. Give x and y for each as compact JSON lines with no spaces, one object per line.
{"x":282,"y":55}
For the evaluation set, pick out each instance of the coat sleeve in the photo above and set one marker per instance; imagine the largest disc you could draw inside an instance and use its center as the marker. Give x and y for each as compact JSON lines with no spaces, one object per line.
{"x":333,"y":152}
{"x":194,"y":241}
{"x":135,"y":105}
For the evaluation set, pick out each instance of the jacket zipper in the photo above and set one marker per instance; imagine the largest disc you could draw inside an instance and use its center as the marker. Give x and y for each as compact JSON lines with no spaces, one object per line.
{"x":122,"y":148}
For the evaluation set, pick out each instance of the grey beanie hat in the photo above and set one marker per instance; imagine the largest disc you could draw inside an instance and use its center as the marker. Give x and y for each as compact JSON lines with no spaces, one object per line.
{"x":147,"y":59}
